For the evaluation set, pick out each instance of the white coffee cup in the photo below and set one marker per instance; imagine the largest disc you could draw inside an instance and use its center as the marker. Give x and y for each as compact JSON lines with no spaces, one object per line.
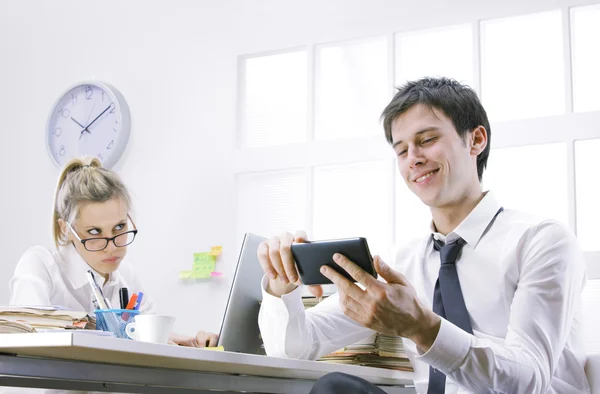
{"x":150,"y":328}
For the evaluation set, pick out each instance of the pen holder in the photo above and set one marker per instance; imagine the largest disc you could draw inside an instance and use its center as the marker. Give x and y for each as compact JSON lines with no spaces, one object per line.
{"x":115,"y":320}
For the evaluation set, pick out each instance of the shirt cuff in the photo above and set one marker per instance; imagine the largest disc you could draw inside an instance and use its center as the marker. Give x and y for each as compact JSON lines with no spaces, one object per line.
{"x":289,"y":304}
{"x":449,"y":349}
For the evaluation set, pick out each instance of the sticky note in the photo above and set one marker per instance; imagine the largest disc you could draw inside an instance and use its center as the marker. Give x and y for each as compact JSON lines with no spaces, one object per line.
{"x":216,"y":250}
{"x":200,"y":275}
{"x":216,"y":274}
{"x":218,"y":348}
{"x":204,"y":264}
{"x":185,"y":274}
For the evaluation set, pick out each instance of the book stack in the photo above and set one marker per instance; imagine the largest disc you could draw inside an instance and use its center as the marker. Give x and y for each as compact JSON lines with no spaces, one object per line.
{"x":20,"y":319}
{"x":377,"y":350}
{"x":350,"y":354}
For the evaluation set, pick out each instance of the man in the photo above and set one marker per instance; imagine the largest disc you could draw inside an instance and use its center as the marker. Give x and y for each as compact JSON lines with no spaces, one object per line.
{"x":489,"y":302}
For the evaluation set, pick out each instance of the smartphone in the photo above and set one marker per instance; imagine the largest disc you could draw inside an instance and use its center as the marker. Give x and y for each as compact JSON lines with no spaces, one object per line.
{"x":311,"y":256}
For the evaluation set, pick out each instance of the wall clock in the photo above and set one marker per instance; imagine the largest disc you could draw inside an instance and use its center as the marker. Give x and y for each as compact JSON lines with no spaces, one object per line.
{"x":89,"y":119}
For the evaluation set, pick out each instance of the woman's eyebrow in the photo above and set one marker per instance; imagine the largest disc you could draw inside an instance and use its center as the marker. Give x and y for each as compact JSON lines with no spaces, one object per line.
{"x":95,"y":227}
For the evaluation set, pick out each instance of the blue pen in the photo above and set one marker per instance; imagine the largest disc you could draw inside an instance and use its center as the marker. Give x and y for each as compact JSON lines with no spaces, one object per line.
{"x":139,"y":301}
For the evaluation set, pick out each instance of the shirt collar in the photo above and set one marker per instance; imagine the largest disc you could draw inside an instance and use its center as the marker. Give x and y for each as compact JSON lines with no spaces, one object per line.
{"x":76,"y":269}
{"x":472,"y":228}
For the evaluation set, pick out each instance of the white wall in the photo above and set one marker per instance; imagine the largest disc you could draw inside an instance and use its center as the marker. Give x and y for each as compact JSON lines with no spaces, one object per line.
{"x":176,"y":64}
{"x":180,"y":84}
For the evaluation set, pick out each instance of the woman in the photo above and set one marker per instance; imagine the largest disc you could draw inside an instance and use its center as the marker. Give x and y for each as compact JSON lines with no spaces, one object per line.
{"x":92,"y":230}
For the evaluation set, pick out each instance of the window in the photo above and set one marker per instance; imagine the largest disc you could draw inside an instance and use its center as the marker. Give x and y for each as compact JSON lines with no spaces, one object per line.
{"x":588,"y":193}
{"x":449,"y":53}
{"x":330,"y":167}
{"x":351,"y":88}
{"x":522,"y":66}
{"x":275,"y":91}
{"x":272,"y":202}
{"x":531,"y":179}
{"x":586,"y":58}
{"x":591,"y":318}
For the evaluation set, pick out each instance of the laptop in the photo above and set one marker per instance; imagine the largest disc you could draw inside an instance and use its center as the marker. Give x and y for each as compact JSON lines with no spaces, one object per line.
{"x":239,"y":331}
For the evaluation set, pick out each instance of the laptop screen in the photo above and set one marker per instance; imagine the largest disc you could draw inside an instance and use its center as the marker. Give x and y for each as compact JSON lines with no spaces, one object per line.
{"x":239,"y":331}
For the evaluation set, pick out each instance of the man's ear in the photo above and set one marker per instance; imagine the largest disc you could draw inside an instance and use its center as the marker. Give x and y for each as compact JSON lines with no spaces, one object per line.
{"x":479,"y":140}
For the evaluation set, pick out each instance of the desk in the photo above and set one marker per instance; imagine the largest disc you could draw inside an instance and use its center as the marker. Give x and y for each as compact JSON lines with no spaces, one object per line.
{"x":80,"y":361}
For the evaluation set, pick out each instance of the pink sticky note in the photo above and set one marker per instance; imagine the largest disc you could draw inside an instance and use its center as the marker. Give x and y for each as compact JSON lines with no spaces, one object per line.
{"x":215,"y":274}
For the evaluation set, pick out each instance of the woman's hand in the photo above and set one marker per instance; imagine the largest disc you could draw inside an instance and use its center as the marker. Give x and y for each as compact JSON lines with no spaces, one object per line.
{"x":202,"y":339}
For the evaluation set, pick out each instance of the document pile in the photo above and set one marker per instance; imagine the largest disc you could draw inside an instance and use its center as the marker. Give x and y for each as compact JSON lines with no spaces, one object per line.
{"x":377,"y":350}
{"x":20,"y":319}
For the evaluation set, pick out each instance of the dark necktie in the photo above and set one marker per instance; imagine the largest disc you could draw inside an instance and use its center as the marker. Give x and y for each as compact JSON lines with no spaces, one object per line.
{"x":448,"y":302}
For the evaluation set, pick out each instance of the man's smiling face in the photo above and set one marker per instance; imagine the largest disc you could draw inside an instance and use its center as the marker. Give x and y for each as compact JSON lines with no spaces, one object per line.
{"x":434,"y":161}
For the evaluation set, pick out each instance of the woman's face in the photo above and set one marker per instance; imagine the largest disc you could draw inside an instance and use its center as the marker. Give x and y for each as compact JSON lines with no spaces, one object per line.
{"x":100,"y":220}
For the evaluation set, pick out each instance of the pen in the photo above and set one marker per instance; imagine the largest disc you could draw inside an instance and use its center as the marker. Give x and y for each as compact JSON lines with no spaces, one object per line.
{"x":130,"y":305}
{"x":139,"y":301}
{"x":123,"y":297}
{"x":111,"y":322}
{"x":132,"y":301}
{"x":96,"y":290}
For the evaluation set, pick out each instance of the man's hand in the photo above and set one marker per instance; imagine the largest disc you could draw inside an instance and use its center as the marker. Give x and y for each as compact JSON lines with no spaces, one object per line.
{"x":202,"y":339}
{"x":390,"y":308}
{"x":276,"y":260}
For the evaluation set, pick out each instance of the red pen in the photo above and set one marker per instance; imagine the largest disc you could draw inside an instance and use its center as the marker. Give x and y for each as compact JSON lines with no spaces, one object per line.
{"x":132,"y":300}
{"x":130,"y":305}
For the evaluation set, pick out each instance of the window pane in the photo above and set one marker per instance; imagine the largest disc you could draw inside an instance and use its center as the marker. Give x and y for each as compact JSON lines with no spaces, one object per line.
{"x":418,"y":54}
{"x":272,"y":202}
{"x":354,"y":200}
{"x":591,"y":317}
{"x":588,"y":193}
{"x":522,"y":66}
{"x":275,"y":99}
{"x":413,"y":218}
{"x":532,"y":179}
{"x":586,"y":58}
{"x":351,"y":89}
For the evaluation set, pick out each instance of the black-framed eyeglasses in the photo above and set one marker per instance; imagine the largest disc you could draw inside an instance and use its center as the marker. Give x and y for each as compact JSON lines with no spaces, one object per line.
{"x":99,"y":244}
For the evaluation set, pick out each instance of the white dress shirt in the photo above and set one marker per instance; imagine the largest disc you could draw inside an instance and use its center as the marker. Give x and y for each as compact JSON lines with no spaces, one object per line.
{"x":521,"y":278}
{"x":58,"y":277}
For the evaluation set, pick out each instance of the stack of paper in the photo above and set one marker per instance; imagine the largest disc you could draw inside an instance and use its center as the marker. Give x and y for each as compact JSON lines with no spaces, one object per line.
{"x":9,"y":327}
{"x":30,"y":318}
{"x":377,"y":350}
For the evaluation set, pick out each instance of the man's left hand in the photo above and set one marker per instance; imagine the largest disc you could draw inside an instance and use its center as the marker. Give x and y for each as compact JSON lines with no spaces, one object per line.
{"x":390,"y":307}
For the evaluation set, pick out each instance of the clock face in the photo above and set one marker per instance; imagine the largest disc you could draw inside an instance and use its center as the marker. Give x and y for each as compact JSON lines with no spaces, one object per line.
{"x":88,"y":120}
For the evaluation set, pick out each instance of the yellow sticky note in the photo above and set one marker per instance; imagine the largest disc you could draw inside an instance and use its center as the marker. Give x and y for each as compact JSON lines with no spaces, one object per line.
{"x":216,"y":250}
{"x":218,"y":348}
{"x":185,"y":274}
{"x":200,"y":275}
{"x":204,"y":264}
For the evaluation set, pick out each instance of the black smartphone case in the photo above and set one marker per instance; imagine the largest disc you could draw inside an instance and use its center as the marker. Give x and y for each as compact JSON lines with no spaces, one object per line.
{"x":311,"y":256}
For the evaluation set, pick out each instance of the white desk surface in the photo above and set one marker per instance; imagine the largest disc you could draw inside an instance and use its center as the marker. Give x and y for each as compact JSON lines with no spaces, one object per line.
{"x":93,"y":348}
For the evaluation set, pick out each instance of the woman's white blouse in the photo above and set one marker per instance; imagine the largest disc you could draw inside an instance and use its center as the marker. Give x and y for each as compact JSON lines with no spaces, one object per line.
{"x":58,"y":277}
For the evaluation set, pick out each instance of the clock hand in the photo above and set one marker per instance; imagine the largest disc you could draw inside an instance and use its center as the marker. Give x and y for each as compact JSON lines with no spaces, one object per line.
{"x":77,"y":122}
{"x":84,"y":128}
{"x":97,"y":117}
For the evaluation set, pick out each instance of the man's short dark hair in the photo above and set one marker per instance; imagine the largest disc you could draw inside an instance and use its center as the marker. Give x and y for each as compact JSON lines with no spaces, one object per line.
{"x":458,"y":102}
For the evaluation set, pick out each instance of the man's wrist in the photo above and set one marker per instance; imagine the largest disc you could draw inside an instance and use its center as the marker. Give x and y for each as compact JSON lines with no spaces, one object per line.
{"x":277,"y":289}
{"x":427,"y":332}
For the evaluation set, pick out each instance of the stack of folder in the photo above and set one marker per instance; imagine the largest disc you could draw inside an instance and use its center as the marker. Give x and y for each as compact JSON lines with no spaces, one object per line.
{"x":377,"y":350}
{"x":19,"y":319}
